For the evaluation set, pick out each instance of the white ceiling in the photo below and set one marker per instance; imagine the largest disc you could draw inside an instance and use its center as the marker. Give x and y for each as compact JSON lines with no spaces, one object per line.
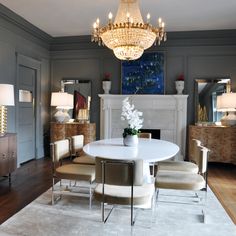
{"x":75,"y":17}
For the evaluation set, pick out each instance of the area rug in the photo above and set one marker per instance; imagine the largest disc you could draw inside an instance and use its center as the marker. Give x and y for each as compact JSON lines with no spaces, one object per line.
{"x":71,"y":216}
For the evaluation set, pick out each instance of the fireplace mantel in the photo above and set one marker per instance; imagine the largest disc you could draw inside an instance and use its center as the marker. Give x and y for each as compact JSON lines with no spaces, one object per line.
{"x":165,"y":112}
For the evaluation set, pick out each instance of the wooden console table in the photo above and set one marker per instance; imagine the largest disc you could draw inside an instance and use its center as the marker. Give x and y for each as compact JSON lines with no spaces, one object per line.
{"x":8,"y":155}
{"x":61,"y":131}
{"x":220,"y":140}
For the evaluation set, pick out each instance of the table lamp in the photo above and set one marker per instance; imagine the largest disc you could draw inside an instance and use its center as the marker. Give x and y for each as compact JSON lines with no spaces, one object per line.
{"x":63,"y":102}
{"x":6,"y":99}
{"x":227,"y":103}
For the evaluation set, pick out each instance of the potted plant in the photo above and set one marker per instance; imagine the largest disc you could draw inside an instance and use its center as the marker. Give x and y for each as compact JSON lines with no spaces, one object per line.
{"x":133,"y":116}
{"x":179,"y":84}
{"x":106,"y":83}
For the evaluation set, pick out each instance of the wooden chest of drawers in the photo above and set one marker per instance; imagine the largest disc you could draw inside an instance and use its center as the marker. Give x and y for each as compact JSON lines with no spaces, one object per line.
{"x":8,"y":154}
{"x":61,"y":131}
{"x":220,"y":140}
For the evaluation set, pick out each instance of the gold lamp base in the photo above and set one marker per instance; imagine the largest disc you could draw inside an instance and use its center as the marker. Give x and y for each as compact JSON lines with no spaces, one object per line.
{"x":3,"y":120}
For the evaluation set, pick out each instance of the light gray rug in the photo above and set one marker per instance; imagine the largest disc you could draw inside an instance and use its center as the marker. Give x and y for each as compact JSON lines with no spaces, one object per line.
{"x":71,"y":216}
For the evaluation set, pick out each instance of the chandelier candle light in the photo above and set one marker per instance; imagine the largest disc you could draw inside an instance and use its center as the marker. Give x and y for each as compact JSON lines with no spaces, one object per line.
{"x":128,"y":36}
{"x":133,"y":116}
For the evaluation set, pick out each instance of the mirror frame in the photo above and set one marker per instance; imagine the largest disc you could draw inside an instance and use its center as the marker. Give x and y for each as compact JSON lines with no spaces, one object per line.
{"x":75,"y":81}
{"x":224,"y":79}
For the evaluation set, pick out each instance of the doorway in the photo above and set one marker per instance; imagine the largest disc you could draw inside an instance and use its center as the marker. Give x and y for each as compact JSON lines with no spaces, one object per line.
{"x":27,"y":101}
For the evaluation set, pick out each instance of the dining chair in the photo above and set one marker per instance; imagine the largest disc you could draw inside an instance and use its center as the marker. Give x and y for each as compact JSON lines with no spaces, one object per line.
{"x":69,"y":171}
{"x":77,"y":143}
{"x":145,"y":135}
{"x":191,"y":166}
{"x":120,"y":182}
{"x":180,"y":180}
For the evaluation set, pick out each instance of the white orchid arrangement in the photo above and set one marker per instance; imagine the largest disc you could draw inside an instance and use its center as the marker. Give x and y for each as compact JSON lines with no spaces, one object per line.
{"x":133,"y":116}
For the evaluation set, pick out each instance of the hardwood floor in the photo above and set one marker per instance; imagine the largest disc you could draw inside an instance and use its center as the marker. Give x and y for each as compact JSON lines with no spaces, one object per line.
{"x":28,"y":182}
{"x":34,"y":178}
{"x":222,"y":181}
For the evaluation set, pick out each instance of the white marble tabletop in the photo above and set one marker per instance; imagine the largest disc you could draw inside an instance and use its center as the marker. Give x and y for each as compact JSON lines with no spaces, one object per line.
{"x":149,"y":150}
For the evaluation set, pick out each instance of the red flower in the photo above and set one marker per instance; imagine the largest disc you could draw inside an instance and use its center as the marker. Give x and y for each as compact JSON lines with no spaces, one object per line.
{"x":107,"y":76}
{"x":180,"y":77}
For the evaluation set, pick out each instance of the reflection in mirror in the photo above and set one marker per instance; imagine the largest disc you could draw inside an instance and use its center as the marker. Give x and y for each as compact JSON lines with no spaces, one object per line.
{"x":81,"y":89}
{"x":206,"y":92}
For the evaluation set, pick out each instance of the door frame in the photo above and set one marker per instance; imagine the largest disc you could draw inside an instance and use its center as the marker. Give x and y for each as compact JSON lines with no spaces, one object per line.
{"x":22,"y":60}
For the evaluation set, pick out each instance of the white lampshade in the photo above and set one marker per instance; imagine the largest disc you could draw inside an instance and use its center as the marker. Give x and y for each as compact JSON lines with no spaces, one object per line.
{"x":62,"y":100}
{"x":226,"y":102}
{"x":7,"y":95}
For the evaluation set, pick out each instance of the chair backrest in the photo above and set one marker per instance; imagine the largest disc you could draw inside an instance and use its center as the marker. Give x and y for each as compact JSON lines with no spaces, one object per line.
{"x":60,"y":149}
{"x":119,"y":172}
{"x":193,"y":156}
{"x":202,"y":155}
{"x":77,"y":143}
{"x":145,"y":135}
{"x":204,"y":160}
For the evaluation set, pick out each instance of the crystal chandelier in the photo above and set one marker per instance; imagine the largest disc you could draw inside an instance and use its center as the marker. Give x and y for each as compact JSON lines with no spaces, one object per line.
{"x":128,"y":36}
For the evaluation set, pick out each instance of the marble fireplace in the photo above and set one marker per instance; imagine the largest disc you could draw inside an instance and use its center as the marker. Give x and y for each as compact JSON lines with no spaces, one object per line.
{"x":167,"y":113}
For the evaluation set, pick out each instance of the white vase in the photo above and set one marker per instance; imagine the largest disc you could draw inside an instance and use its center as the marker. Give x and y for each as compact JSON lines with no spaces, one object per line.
{"x":179,"y":85}
{"x":131,"y":140}
{"x":106,"y":85}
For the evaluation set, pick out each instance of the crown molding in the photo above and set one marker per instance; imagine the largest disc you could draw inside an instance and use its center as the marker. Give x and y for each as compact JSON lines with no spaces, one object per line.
{"x":174,"y":39}
{"x":21,"y":26}
{"x":27,"y":30}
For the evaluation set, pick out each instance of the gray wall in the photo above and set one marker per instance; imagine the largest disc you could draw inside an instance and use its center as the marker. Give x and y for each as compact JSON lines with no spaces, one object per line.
{"x":195,"y":54}
{"x":16,"y":40}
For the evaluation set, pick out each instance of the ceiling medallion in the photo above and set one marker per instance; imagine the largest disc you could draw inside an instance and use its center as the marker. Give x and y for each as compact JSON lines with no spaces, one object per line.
{"x":128,"y":36}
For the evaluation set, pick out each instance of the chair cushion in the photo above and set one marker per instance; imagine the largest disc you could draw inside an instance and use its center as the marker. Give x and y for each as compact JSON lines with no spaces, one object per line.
{"x":178,"y":166}
{"x":122,"y":194}
{"x":179,"y":180}
{"x":76,"y":172}
{"x":85,"y":159}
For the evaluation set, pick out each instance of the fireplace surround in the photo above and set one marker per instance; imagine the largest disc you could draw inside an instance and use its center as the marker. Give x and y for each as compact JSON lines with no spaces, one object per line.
{"x":167,"y":113}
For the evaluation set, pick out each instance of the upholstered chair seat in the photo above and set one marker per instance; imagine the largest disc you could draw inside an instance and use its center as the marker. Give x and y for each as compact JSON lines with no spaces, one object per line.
{"x":84,"y":159}
{"x":121,"y":194}
{"x":191,"y":166}
{"x":77,"y":143}
{"x":178,"y":166}
{"x":76,"y":172}
{"x":179,"y":180}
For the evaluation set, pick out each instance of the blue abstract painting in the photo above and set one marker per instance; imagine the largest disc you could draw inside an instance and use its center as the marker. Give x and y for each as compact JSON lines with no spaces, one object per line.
{"x":145,"y":75}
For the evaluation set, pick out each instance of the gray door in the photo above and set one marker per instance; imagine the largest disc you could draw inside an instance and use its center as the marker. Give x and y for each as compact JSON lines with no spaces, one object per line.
{"x":26,"y":114}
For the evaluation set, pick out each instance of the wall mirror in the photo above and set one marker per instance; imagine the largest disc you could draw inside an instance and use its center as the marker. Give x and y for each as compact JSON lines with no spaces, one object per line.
{"x":82,"y":91}
{"x":206,"y":92}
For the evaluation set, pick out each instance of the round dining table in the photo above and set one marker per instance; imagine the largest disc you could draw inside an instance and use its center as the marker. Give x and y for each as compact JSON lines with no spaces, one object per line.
{"x":149,"y":150}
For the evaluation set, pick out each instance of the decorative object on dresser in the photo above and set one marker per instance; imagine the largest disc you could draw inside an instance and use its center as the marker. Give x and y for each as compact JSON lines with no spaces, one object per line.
{"x":206,"y":91}
{"x":133,"y":117}
{"x":106,"y":83}
{"x":6,"y":99}
{"x":8,"y":155}
{"x":227,"y":103}
{"x":179,"y":84}
{"x":63,"y":102}
{"x":61,"y":131}
{"x":221,"y":140}
{"x":81,"y":89}
{"x":128,"y":36}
